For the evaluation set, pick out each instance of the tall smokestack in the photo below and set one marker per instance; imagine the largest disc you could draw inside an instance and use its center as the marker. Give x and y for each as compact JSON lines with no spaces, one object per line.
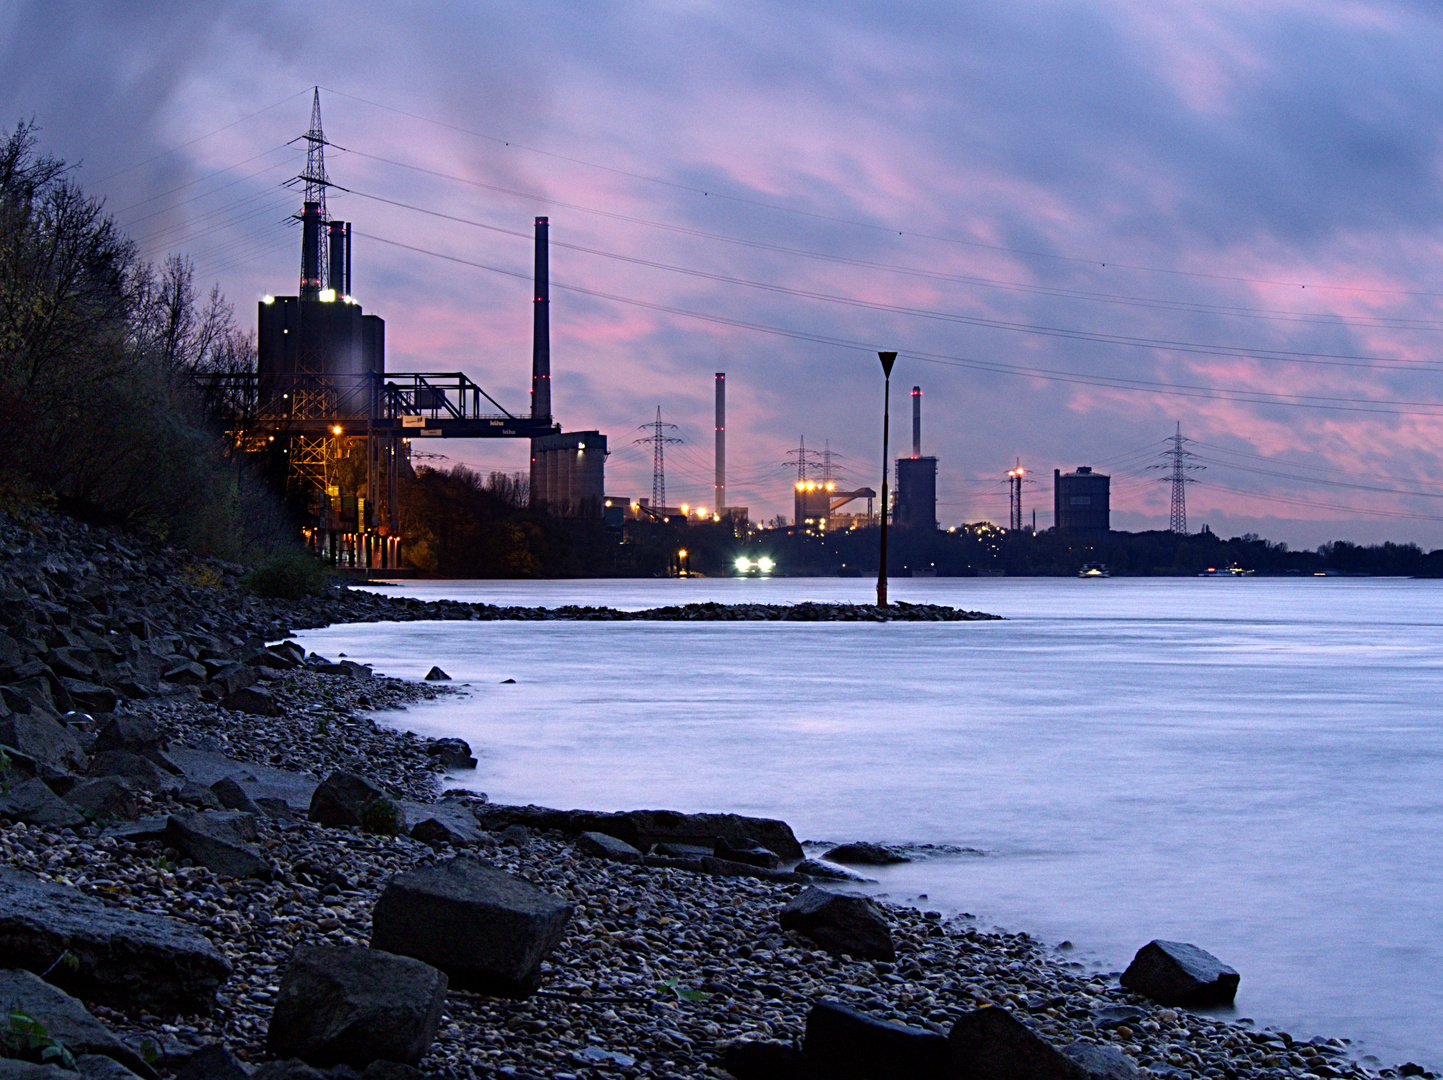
{"x":916,"y":421}
{"x":336,"y":279}
{"x":311,"y":268}
{"x":721,"y":442}
{"x":541,"y":331}
{"x":540,"y":363}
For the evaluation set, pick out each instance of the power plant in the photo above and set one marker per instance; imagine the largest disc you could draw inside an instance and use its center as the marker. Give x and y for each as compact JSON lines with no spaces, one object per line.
{"x":322,"y":404}
{"x":915,"y":506}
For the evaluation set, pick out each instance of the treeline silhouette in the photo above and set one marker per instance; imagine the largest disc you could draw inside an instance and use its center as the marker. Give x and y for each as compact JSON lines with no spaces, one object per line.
{"x":98,"y":412}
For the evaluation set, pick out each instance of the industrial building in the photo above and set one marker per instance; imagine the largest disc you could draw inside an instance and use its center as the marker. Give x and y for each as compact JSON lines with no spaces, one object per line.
{"x":1080,"y":503}
{"x":568,"y":473}
{"x":322,"y":405}
{"x":915,"y":504}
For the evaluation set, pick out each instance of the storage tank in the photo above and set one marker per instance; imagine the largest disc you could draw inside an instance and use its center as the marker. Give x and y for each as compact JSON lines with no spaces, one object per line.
{"x":1080,"y":502}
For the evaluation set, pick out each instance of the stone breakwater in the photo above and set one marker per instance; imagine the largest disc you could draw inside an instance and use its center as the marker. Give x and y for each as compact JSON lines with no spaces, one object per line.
{"x":668,"y":959}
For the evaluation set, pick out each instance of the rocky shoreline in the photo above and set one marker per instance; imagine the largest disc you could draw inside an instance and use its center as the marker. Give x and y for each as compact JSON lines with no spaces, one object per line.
{"x":684,"y":960}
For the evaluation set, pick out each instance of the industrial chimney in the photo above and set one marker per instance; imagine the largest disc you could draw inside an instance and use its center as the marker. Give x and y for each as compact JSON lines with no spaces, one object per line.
{"x":540,"y":364}
{"x":541,"y":331}
{"x":340,"y":253}
{"x":721,"y":442}
{"x":916,"y":421}
{"x":311,"y":268}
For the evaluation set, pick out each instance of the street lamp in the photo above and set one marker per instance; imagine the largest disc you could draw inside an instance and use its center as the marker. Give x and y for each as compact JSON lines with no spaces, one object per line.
{"x":888,"y":359}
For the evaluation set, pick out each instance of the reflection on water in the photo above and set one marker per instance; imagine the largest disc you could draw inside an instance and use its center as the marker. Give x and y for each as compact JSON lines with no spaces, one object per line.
{"x":1253,"y":765}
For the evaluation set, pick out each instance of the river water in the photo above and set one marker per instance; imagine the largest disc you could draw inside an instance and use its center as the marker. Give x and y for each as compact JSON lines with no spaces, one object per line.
{"x":1252,"y":765}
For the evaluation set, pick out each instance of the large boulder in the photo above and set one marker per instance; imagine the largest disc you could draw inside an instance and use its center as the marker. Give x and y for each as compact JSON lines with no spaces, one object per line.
{"x":104,"y":798}
{"x":1101,"y":1062}
{"x":850,"y":925}
{"x":746,"y":851}
{"x":122,"y":959}
{"x":1174,"y":973}
{"x":221,"y":841}
{"x":65,"y":1019}
{"x":340,"y":800}
{"x":138,"y":734}
{"x":487,"y":930}
{"x":865,"y":854}
{"x":43,"y":740}
{"x":254,"y":700}
{"x":992,"y":1044}
{"x":600,"y":846}
{"x":138,"y":770}
{"x":845,"y":1044}
{"x":439,"y":824}
{"x":451,"y":753}
{"x":766,"y":1061}
{"x":353,"y":1006}
{"x":35,"y":804}
{"x":644,"y":828}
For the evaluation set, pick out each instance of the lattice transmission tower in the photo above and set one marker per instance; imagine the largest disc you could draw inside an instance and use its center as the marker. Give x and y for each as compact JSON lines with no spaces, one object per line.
{"x":657,"y":440}
{"x":807,"y":461}
{"x":1178,"y":468}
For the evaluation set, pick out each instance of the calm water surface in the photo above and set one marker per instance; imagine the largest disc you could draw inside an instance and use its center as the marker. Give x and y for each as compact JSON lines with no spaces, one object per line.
{"x":1253,"y":765}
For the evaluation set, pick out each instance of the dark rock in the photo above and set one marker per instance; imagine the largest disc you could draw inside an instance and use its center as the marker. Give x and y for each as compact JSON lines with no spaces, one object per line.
{"x":288,"y":650}
{"x":150,"y":828}
{"x":391,"y":1070}
{"x":851,"y":925}
{"x":122,"y":959}
{"x":212,"y":1063}
{"x":644,"y":828}
{"x":354,"y":1006}
{"x":487,"y":930}
{"x":600,"y":846}
{"x":253,"y":700}
{"x":1109,"y":1016}
{"x":815,"y":868}
{"x":202,"y":798}
{"x":440,"y":824}
{"x":1101,"y":1062}
{"x":1174,"y":973}
{"x":746,"y":851}
{"x":340,"y":798}
{"x":219,"y":841}
{"x":452,"y":753}
{"x":96,"y":1067}
{"x":992,"y":1044}
{"x":184,"y":673}
{"x":106,"y":798}
{"x":515,"y":836}
{"x":233,"y":677}
{"x":437,"y":675}
{"x":43,"y":740}
{"x":141,"y":772}
{"x":290,"y":1069}
{"x":65,"y":1019}
{"x":15,"y":1069}
{"x":862,"y":854}
{"x":845,"y":1044}
{"x":35,"y":804}
{"x":766,"y":1061}
{"x":275,"y":809}
{"x":682,"y":851}
{"x":233,"y":797}
{"x":710,"y":864}
{"x":138,"y":734}
{"x":322,"y":873}
{"x":89,"y":695}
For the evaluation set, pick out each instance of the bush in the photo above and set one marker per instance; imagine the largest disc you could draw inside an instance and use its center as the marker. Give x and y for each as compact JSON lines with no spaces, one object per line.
{"x":288,"y":575}
{"x":382,"y":817}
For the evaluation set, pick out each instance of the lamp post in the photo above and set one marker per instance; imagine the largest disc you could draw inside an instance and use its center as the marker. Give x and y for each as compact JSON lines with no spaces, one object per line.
{"x":888,"y":359}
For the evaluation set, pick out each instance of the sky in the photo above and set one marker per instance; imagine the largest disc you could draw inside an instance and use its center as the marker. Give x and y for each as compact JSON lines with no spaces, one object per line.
{"x":1080,"y":224}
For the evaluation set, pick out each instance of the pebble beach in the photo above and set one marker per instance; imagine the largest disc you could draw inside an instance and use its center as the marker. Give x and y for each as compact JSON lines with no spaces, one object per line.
{"x":660,"y":970}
